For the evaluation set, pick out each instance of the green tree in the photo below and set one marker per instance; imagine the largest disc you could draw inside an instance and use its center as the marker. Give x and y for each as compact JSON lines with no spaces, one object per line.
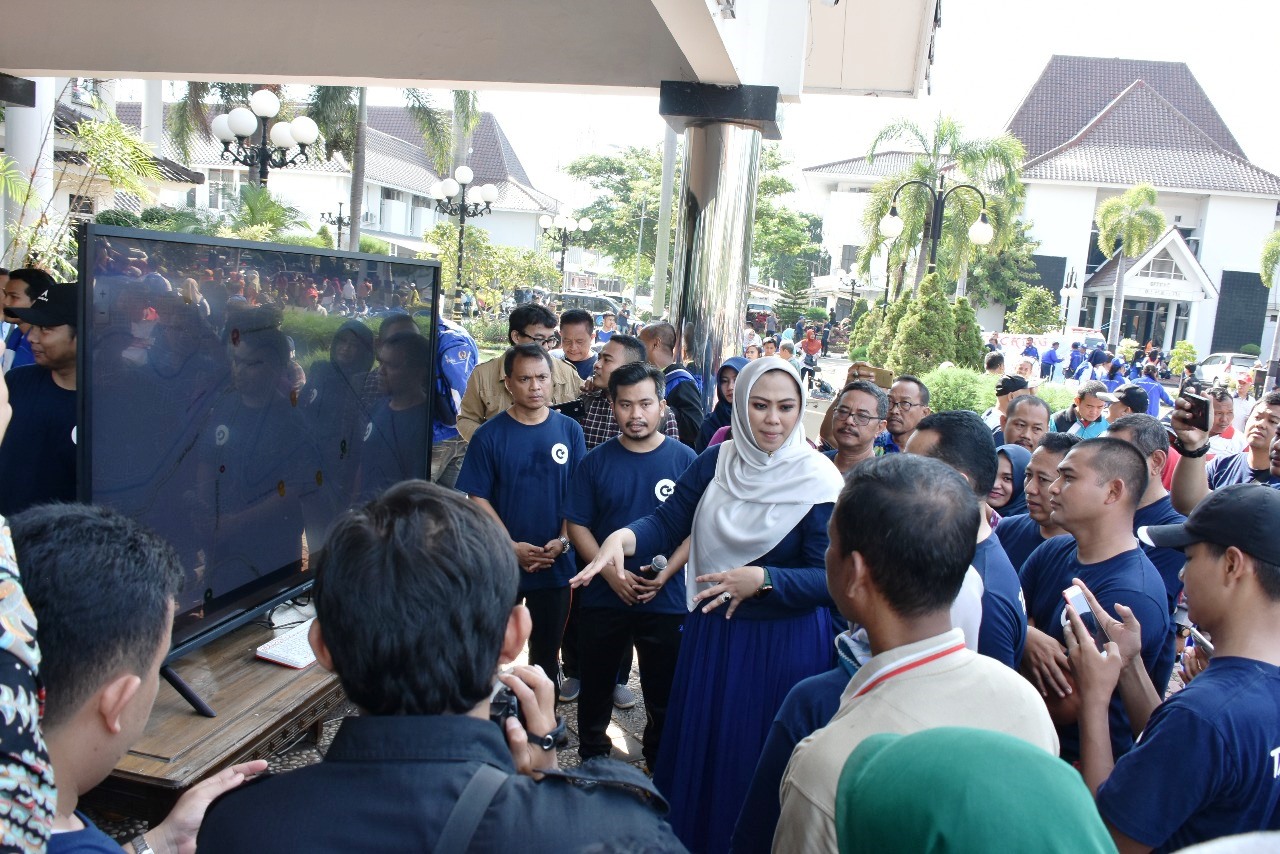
{"x":926,"y":337}
{"x":999,"y":276}
{"x":1035,"y":314}
{"x":884,"y":331}
{"x":1131,"y":223}
{"x":794,"y":302}
{"x":992,"y":164}
{"x":779,"y":235}
{"x":863,"y":331}
{"x":860,"y":307}
{"x":1270,"y":263}
{"x":260,"y":211}
{"x":1182,"y":354}
{"x":970,"y":349}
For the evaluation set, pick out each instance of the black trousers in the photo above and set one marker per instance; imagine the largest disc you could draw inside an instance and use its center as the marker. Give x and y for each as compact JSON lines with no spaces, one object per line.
{"x":569,"y":649}
{"x":549,"y":610}
{"x":603,"y":634}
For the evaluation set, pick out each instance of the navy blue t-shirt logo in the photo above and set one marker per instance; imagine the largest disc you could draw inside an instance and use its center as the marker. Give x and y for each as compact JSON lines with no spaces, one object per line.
{"x":663,"y":489}
{"x":560,"y":453}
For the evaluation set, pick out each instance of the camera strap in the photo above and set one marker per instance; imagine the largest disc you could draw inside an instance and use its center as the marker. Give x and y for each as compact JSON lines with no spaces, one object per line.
{"x":465,"y":817}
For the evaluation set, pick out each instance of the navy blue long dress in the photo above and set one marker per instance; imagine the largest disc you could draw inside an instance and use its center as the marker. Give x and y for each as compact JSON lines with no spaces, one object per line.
{"x":732,"y":675}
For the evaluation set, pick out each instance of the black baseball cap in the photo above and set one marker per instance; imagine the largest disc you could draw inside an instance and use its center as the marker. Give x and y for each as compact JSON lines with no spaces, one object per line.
{"x":1131,"y":395}
{"x":1009,"y":383}
{"x":55,"y":307}
{"x":1243,"y":515}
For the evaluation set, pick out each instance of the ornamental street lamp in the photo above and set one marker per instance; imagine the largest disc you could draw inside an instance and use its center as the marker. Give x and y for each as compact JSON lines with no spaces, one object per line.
{"x":560,"y":227}
{"x":271,"y":151}
{"x":891,"y":225}
{"x":454,"y":197}
{"x":340,"y":221}
{"x":1069,"y":292}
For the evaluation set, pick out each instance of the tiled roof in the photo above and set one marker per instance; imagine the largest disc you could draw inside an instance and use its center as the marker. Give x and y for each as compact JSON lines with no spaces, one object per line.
{"x":66,"y":117}
{"x":886,"y":163}
{"x":392,"y":161}
{"x":1141,"y":137}
{"x":1105,"y":276}
{"x":1073,"y":89}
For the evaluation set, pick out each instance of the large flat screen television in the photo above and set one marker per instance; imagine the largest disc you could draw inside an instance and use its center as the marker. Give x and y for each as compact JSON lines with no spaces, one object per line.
{"x":230,"y":400}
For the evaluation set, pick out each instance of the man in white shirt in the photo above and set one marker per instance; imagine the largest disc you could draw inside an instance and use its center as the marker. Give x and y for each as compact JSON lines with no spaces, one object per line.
{"x":902,"y":537}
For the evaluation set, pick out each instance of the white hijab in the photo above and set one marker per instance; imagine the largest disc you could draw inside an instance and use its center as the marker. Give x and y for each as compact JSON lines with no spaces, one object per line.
{"x":756,"y":498}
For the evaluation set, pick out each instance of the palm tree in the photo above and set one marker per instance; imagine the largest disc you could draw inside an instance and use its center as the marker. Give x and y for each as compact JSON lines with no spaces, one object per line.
{"x":1131,"y":223}
{"x":1270,"y":263}
{"x":993,"y":164}
{"x":259,"y":208}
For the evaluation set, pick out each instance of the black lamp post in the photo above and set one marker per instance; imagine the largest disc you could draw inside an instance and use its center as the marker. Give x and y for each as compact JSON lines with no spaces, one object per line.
{"x":560,"y":228}
{"x":271,"y":151}
{"x":891,"y":225}
{"x":340,"y":221}
{"x":454,"y":197}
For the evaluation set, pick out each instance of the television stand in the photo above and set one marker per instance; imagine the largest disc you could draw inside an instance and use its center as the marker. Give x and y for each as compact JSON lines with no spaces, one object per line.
{"x":186,"y":692}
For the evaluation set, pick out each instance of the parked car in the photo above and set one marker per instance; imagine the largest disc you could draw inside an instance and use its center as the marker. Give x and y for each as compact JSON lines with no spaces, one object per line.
{"x":1238,"y":366}
{"x":597,"y":304}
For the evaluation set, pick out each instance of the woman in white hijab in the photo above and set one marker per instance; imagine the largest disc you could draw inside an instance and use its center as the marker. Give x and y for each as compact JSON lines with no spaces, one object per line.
{"x":756,"y":509}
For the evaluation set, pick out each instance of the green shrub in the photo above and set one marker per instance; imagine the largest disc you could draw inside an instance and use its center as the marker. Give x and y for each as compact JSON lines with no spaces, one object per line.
{"x":1183,"y":353}
{"x":646,"y":316}
{"x":960,"y":388}
{"x":970,"y":348}
{"x":882,"y":338}
{"x":123,"y":219}
{"x":927,"y":335}
{"x":1251,"y":349}
{"x":489,"y":331}
{"x":154,"y":216}
{"x":858,"y":354}
{"x":311,"y":332}
{"x":373,"y":246}
{"x":1057,"y":395}
{"x":301,"y":240}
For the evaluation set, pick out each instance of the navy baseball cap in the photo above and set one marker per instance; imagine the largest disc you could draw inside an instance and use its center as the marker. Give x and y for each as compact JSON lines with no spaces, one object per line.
{"x":1131,"y":395}
{"x":55,"y":307}
{"x":1009,"y":383}
{"x":1243,"y":515}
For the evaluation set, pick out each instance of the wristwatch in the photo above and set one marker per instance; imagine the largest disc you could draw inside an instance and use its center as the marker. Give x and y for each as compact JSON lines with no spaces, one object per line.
{"x":551,"y":739}
{"x":766,"y":586}
{"x":565,"y":545}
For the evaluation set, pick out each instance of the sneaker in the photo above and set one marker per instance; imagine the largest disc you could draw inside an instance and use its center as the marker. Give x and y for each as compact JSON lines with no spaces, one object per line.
{"x":569,"y":689}
{"x":622,"y":697}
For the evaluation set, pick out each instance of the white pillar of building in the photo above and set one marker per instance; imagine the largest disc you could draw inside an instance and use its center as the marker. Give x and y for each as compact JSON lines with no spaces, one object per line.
{"x":153,"y":114}
{"x":1098,"y":315}
{"x":29,"y":142}
{"x":1168,"y":327}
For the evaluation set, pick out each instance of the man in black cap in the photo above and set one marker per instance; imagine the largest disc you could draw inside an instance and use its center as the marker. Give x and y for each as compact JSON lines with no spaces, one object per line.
{"x":1008,"y":387}
{"x":1208,"y":763}
{"x":38,"y":456}
{"x":1128,"y":399}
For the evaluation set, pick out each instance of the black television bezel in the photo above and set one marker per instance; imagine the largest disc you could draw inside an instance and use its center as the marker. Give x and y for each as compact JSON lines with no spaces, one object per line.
{"x":85,"y":235}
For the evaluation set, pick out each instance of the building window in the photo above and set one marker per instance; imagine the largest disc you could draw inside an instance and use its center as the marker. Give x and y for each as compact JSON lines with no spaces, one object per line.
{"x":848,"y":257}
{"x":1162,"y":267}
{"x":223,"y":189}
{"x":84,"y":90}
{"x":390,"y":195}
{"x":421,"y":202}
{"x":80,"y":208}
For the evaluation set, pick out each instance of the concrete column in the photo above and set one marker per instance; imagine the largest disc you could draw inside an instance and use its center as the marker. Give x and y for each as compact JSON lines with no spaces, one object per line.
{"x":663,"y":252}
{"x":29,"y":142}
{"x":153,"y":114}
{"x":1098,"y":315}
{"x":1168,"y":327}
{"x":723,"y":128}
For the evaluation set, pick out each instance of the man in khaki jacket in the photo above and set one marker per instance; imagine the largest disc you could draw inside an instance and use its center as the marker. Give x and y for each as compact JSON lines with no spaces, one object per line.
{"x":486,"y":395}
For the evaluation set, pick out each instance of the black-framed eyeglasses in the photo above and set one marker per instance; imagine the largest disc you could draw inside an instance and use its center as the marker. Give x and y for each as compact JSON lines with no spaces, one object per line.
{"x":843,"y":412}
{"x":904,"y":405}
{"x":547,"y":342}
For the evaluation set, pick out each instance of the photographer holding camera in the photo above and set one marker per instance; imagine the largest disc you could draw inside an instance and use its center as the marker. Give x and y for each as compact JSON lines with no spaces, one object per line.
{"x":416,"y":612}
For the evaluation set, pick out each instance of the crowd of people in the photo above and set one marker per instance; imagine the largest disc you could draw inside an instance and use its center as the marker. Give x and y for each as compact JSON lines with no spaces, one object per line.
{"x":1010,"y":613}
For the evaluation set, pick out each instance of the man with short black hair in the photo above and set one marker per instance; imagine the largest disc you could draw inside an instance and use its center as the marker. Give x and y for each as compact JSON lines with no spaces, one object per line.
{"x":487,"y":394}
{"x":425,"y":767}
{"x":1100,"y":482}
{"x":683,"y":394}
{"x":598,"y":423}
{"x":1259,"y":462}
{"x":1084,"y":418}
{"x":518,"y":467}
{"x":1156,"y":394}
{"x":102,"y":588}
{"x":397,"y":432}
{"x":857,"y":418}
{"x":38,"y":455}
{"x":1024,"y":422}
{"x":993,"y":363}
{"x":621,"y":481}
{"x":577,"y":329}
{"x":1009,"y":387}
{"x":960,"y":439}
{"x":1125,"y":400}
{"x":1049,"y":363}
{"x":1206,"y":764}
{"x":21,"y":288}
{"x":902,"y":539}
{"x":1021,"y":534}
{"x":1155,"y":507}
{"x":1076,"y":356}
{"x":908,"y":403}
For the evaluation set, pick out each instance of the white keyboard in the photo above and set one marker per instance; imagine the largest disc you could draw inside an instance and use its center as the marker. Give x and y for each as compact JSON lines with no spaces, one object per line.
{"x":292,"y":649}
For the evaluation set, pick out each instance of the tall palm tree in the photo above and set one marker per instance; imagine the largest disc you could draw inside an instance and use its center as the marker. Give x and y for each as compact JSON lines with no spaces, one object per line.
{"x":259,"y":208}
{"x":993,"y":164}
{"x":1130,"y":222}
{"x":1270,"y":264}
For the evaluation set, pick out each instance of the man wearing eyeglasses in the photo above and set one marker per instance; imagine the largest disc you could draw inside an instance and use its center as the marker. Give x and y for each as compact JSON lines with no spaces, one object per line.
{"x":857,"y":419}
{"x":908,"y":403}
{"x":486,"y":395}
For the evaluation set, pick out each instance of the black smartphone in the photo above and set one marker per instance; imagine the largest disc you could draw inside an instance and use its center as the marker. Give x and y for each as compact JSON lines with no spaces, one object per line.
{"x":1200,"y":416}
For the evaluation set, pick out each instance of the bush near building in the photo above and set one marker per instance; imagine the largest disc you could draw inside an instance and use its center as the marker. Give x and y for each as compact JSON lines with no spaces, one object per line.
{"x":1036,"y":313}
{"x":926,"y":337}
{"x":970,"y":348}
{"x":881,"y":341}
{"x":960,"y":388}
{"x":1183,"y":352}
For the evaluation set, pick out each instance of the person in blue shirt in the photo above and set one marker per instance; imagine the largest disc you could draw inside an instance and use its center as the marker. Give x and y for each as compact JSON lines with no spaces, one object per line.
{"x":1099,"y":485}
{"x":1259,"y":462}
{"x":756,"y":510}
{"x":623,"y":480}
{"x":1155,"y":507}
{"x":1076,"y":356}
{"x":518,"y":467}
{"x":1049,"y":363}
{"x":395,"y":439}
{"x":1030,"y":350}
{"x":457,"y":356}
{"x":1206,"y":765}
{"x":960,"y":439}
{"x":1021,"y":534}
{"x":1086,"y":416}
{"x":102,"y":646}
{"x":577,"y":328}
{"x":1156,"y":393}
{"x":721,"y":415}
{"x":21,"y":288}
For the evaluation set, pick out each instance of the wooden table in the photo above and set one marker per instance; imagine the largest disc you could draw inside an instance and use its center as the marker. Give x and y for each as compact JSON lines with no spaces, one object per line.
{"x":262,"y":708}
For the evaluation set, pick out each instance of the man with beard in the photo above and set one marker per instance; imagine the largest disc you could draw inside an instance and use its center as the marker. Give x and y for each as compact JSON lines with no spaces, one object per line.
{"x":623,"y":480}
{"x":598,"y":423}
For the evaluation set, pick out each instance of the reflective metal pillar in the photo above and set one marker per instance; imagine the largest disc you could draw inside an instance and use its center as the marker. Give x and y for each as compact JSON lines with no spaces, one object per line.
{"x":723,"y":128}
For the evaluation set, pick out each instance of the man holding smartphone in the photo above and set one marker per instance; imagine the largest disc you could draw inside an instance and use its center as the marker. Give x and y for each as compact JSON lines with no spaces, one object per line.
{"x":1208,"y":762}
{"x":1257,"y":463}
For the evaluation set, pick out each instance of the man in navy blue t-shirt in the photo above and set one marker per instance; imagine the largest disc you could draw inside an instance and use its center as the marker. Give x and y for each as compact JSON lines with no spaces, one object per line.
{"x":1192,"y":479}
{"x":1155,"y":508}
{"x":1022,"y":534}
{"x":518,"y":467}
{"x":1208,"y":762}
{"x":960,"y":439}
{"x":621,"y":481}
{"x":1100,"y":482}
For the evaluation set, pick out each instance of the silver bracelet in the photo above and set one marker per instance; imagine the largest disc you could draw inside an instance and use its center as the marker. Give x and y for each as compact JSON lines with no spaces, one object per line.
{"x":140,"y":845}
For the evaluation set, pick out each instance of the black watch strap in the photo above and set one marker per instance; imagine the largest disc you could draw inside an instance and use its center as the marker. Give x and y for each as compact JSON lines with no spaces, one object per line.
{"x":551,"y":739}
